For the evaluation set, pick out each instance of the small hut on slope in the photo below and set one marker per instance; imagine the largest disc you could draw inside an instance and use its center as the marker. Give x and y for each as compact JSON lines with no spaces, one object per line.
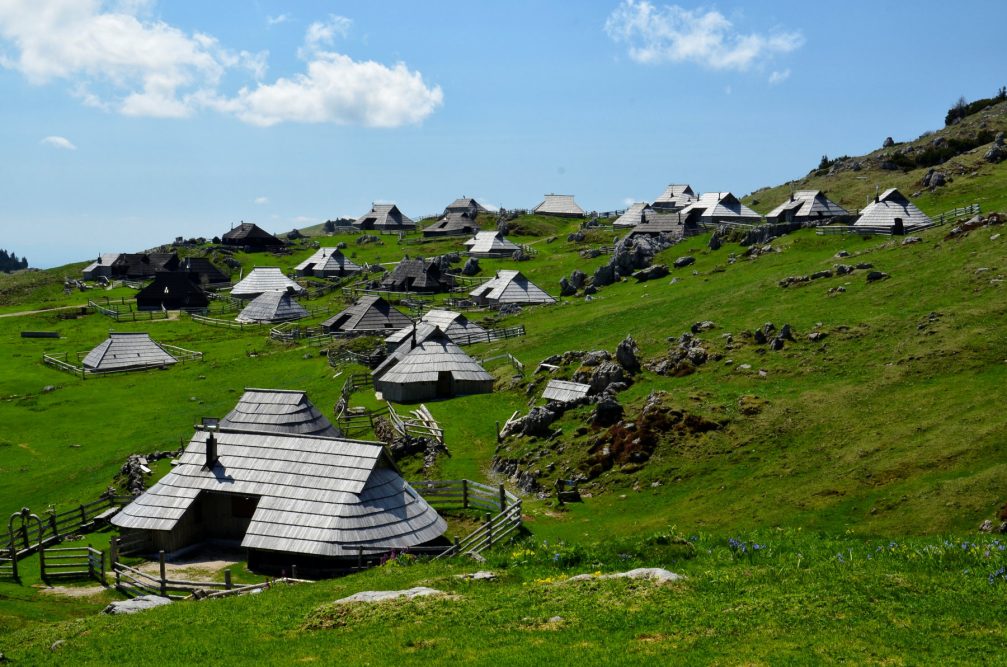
{"x":385,"y":218}
{"x":674,"y":198}
{"x":101,"y":266}
{"x":272,"y":307}
{"x":250,"y":236}
{"x":428,"y":366}
{"x":264,"y":279}
{"x":633,"y":216}
{"x":716,"y":207}
{"x":668,"y":225}
{"x":417,"y":275}
{"x":127,"y":351}
{"x":282,"y":411}
{"x":466,"y":205}
{"x":564,"y":391}
{"x":491,"y":244}
{"x":172,"y":290}
{"x":452,"y":224}
{"x":562,"y":206}
{"x":370,"y":314}
{"x":327,"y":263}
{"x":509,"y":286}
{"x":894,"y":211}
{"x":458,"y":328}
{"x":143,"y":265}
{"x":806,"y":206}
{"x":321,"y":503}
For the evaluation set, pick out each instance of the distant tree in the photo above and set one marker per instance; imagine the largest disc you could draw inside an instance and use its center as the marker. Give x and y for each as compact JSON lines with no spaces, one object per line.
{"x":216,"y":240}
{"x":10,"y":262}
{"x":1002,"y":94}
{"x":330,"y":225}
{"x":825,"y":163}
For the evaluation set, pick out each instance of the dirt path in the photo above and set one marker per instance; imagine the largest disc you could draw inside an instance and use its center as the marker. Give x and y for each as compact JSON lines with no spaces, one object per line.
{"x":73,"y":591}
{"x":44,"y":310}
{"x":205,"y":563}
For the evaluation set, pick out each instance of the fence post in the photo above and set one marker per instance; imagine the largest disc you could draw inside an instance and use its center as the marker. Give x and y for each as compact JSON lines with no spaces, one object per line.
{"x":164,"y":582}
{"x":41,"y":562}
{"x":83,"y":515}
{"x":503,"y":498}
{"x":90,"y":562}
{"x":489,"y":530}
{"x":465,"y":494}
{"x":113,"y":552}
{"x":52,"y":524}
{"x":293,"y":571}
{"x":104,"y":581}
{"x":227,"y":579}
{"x":13,"y":561}
{"x":457,"y":546}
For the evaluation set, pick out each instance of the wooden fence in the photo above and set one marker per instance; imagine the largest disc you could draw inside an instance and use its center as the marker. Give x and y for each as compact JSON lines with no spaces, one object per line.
{"x":421,"y":425}
{"x":228,"y":324}
{"x":61,"y":361}
{"x":948,"y":217}
{"x":514,"y":361}
{"x":337,"y":356}
{"x":503,"y":511}
{"x":72,"y":563}
{"x":347,"y":418}
{"x":129,"y":315}
{"x":489,"y":335}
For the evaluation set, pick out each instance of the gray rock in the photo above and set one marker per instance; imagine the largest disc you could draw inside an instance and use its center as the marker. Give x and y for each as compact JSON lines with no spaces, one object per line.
{"x":816,"y":336}
{"x":578,"y":278}
{"x":700,"y":327}
{"x":843,"y":269}
{"x":565,"y":288}
{"x":626,"y":354}
{"x":535,"y":423}
{"x":651,"y":273}
{"x":481,"y":575}
{"x":842,"y":253}
{"x":888,"y":165}
{"x":986,"y":526}
{"x":655,"y":574}
{"x":715,"y":243}
{"x":697,"y":355}
{"x":786,"y":332}
{"x":998,"y":140}
{"x":575,"y":237}
{"x":605,"y":374}
{"x":863,"y":266}
{"x":141,"y":603}
{"x":875,"y":276}
{"x":777,"y":343}
{"x":682,"y":262}
{"x":603,"y":275}
{"x":382,"y":596}
{"x":471,"y":267}
{"x":995,"y":154}
{"x":595,"y":357}
{"x":759,"y":336}
{"x":607,"y":411}
{"x":589,"y":290}
{"x":888,"y":142}
{"x":909,"y":240}
{"x":821,"y":274}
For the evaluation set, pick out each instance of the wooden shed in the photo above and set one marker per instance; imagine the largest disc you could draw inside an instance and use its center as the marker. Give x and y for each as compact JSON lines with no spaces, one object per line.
{"x":264,"y":279}
{"x":427,"y":366}
{"x":327,"y":263}
{"x":806,"y":206}
{"x":633,"y":216}
{"x":893,"y":210}
{"x":458,"y":328}
{"x":124,"y":351}
{"x":455,"y":223}
{"x":272,"y":307}
{"x":417,"y":275}
{"x":385,"y":218}
{"x":369,"y":314}
{"x":565,"y":391}
{"x":466,"y":205}
{"x":251,"y":236}
{"x":320,"y":503}
{"x":509,"y":286}
{"x":562,"y":206}
{"x":172,"y":290}
{"x":716,"y":207}
{"x":490,"y":244}
{"x":101,"y":266}
{"x":674,"y":198}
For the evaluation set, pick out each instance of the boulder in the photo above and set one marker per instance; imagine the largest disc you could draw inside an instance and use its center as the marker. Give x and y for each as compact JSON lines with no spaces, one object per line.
{"x":471,"y":267}
{"x":821,"y":274}
{"x":875,"y":276}
{"x":995,"y":154}
{"x":141,"y":603}
{"x":786,"y":332}
{"x":700,"y":327}
{"x":888,"y":142}
{"x":651,"y":273}
{"x":607,"y":411}
{"x":535,"y":423}
{"x":605,"y":374}
{"x":578,"y":278}
{"x":382,"y":596}
{"x":655,"y":574}
{"x":626,"y":355}
{"x":595,"y":357}
{"x":998,"y":140}
{"x":715,"y":243}
{"x":575,"y":237}
{"x":776,"y":343}
{"x":565,"y":288}
{"x":603,"y":275}
{"x":685,"y":261}
{"x":888,"y":165}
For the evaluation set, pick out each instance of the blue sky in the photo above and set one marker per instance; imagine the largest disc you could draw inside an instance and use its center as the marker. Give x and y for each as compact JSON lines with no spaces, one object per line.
{"x":125,"y":124}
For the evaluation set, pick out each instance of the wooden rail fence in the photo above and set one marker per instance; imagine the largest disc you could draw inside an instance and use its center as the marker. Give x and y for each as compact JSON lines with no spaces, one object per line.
{"x":61,"y":361}
{"x":514,"y":361}
{"x":421,"y":425}
{"x":129,"y":315}
{"x":72,"y":563}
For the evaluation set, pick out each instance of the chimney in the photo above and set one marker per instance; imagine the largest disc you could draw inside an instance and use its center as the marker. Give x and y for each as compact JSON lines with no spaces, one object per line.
{"x":413,"y":345}
{"x":791,"y":196}
{"x":877,"y":190}
{"x":211,"y":451}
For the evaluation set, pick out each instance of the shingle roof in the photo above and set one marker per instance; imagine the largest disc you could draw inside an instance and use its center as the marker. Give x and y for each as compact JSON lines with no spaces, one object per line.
{"x":144,"y":265}
{"x":327,"y":261}
{"x":272,"y":307}
{"x":719,"y":206}
{"x":453,"y":222}
{"x":455,"y":325}
{"x":559,"y":205}
{"x":668,"y":224}
{"x":319,"y":496}
{"x":279,"y":411}
{"x":465,"y":204}
{"x":203,"y":267}
{"x":369,"y":313}
{"x":433,"y":354}
{"x":385,"y":217}
{"x":491,"y":244}
{"x":172,"y":290}
{"x":264,"y":279}
{"x":104,"y":261}
{"x":890,"y":205}
{"x":122,"y":351}
{"x":633,"y":216}
{"x":250,"y":233}
{"x":675,"y":196}
{"x":807,"y":204}
{"x":510,"y":286}
{"x":416,"y":274}
{"x":561,"y":390}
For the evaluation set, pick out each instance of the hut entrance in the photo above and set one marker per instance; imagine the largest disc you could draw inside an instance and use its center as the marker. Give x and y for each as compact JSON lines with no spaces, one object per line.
{"x":445,"y":384}
{"x":226,"y":515}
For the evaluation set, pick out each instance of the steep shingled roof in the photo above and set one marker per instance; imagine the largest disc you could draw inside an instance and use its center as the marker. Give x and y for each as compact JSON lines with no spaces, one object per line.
{"x":510,"y":286}
{"x":451,"y":224}
{"x":264,"y":279}
{"x":455,"y":325}
{"x":326,"y":262}
{"x":675,"y":196}
{"x":124,"y":351}
{"x":491,"y":244}
{"x":368,"y":313}
{"x":281,"y":411}
{"x":385,"y":217}
{"x":806,"y":205}
{"x":892,"y":204}
{"x":272,"y":307}
{"x":562,"y":205}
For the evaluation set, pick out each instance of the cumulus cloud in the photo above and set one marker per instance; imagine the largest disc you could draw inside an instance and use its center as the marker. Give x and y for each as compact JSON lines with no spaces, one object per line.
{"x":261,"y":201}
{"x":59,"y":142}
{"x":115,"y":59}
{"x":779,"y":76}
{"x":705,"y":37}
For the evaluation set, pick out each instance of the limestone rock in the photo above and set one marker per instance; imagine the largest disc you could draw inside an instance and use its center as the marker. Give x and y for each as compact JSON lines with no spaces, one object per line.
{"x":626,"y":355}
{"x":382,"y":596}
{"x":682,"y":262}
{"x":136,"y":604}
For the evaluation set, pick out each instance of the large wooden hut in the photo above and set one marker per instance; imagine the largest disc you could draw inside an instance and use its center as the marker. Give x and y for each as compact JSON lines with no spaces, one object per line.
{"x":321,"y":503}
{"x":466,"y":205}
{"x":893,"y":210}
{"x":369,"y":314}
{"x":806,"y":206}
{"x":490,"y":244}
{"x":172,"y":290}
{"x":283,"y":411}
{"x":123,"y":351}
{"x":385,"y":218}
{"x":633,"y":215}
{"x":272,"y":307}
{"x":250,"y":236}
{"x":327,"y":263}
{"x":674,"y":198}
{"x":562,"y":206}
{"x":509,"y":287}
{"x":264,"y":279}
{"x":417,"y":275}
{"x":717,"y":207}
{"x":455,"y":223}
{"x":428,"y":365}
{"x":459,"y":329}
{"x":101,"y":266}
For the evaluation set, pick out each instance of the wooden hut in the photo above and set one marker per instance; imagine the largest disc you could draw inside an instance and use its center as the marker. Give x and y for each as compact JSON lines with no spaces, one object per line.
{"x":466,"y":205}
{"x":455,"y":223}
{"x":562,"y":206}
{"x":264,"y":279}
{"x":806,"y":206}
{"x":564,"y":391}
{"x":123,"y":351}
{"x":272,"y":307}
{"x":250,"y":236}
{"x":509,"y":286}
{"x":101,"y":266}
{"x":205,"y":270}
{"x":385,"y":218}
{"x":491,"y":244}
{"x":458,"y":328}
{"x":321,"y":503}
{"x":892,"y":210}
{"x":143,"y":265}
{"x":369,"y":314}
{"x":172,"y":290}
{"x":633,"y":216}
{"x":674,"y":198}
{"x":327,"y":263}
{"x":669,"y":225}
{"x":283,"y":411}
{"x":428,"y":366}
{"x":417,"y":275}
{"x":716,"y":207}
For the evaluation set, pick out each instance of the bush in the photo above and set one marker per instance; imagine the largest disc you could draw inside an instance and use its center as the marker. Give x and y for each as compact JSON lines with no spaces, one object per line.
{"x":962,"y":108}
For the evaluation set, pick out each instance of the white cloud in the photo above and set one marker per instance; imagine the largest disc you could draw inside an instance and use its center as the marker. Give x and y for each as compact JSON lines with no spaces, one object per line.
{"x":59,"y":142}
{"x":705,"y":37}
{"x":261,"y":201}
{"x":277,"y":20}
{"x":115,"y":60}
{"x":779,"y":76}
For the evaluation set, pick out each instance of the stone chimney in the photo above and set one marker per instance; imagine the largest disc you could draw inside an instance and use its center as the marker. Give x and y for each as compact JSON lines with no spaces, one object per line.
{"x":211,"y":451}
